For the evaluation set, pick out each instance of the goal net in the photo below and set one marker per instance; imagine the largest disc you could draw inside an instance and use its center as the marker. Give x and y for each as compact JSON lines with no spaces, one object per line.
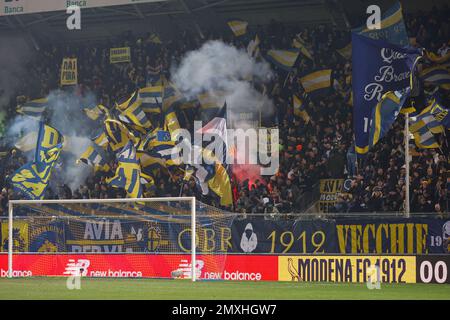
{"x":152,"y":237}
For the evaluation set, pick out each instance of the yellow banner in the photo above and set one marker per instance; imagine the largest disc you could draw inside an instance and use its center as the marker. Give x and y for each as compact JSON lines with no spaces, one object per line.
{"x":20,"y":236}
{"x":329,"y":191}
{"x":69,"y":72}
{"x":350,"y":269}
{"x":118,"y":55}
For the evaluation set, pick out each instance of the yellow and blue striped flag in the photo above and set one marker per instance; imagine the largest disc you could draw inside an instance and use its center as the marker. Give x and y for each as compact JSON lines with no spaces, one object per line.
{"x":33,"y":108}
{"x":436,"y":58}
{"x":128,"y":173}
{"x":300,"y":44}
{"x":100,"y":138}
{"x":94,"y":158}
{"x":441,"y":114}
{"x":96,"y":112}
{"x":424,"y":127}
{"x":118,"y":135}
{"x":284,"y":59}
{"x":151,"y":99}
{"x":32,"y":179}
{"x":438,"y":75}
{"x":316,"y":81}
{"x":385,"y":113}
{"x":131,"y":112}
{"x":238,"y":27}
{"x":299,"y":108}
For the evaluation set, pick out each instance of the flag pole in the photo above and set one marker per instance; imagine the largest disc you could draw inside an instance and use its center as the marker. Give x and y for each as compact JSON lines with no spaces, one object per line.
{"x":407,"y":208}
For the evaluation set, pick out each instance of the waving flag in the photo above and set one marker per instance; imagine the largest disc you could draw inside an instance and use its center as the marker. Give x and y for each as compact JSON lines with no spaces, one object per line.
{"x":389,"y":69}
{"x":128,"y":173}
{"x":284,"y":59}
{"x":441,"y":114}
{"x":48,"y":141}
{"x":437,"y":75}
{"x":32,"y":179}
{"x":151,"y":99}
{"x":299,"y":109}
{"x":300,"y":44}
{"x":94,"y":158}
{"x":136,"y":117}
{"x":316,"y":81}
{"x":33,"y":108}
{"x":117,"y":134}
{"x":436,"y":58}
{"x":384,"y":115}
{"x":172,"y":97}
{"x":239,"y":27}
{"x":425,"y":139}
{"x":427,"y":120}
{"x":392,"y":29}
{"x":96,"y":112}
{"x":100,"y":138}
{"x":424,"y":126}
{"x":159,"y":151}
{"x":253,"y":47}
{"x":215,"y":176}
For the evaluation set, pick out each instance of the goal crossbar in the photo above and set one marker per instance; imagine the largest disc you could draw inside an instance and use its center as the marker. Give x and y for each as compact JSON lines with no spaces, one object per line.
{"x":11,"y":204}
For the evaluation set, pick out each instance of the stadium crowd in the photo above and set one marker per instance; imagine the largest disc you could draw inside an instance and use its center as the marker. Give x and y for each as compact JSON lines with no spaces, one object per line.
{"x":309,"y":151}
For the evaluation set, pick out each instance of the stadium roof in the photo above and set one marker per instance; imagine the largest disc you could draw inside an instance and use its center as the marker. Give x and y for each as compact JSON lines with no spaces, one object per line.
{"x":175,"y":15}
{"x":120,"y":13}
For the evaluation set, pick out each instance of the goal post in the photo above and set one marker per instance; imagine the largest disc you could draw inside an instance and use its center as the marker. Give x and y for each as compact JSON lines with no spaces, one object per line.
{"x":39,"y":207}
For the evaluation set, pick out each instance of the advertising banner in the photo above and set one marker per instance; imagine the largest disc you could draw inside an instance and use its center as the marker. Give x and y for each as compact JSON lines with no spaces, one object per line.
{"x":69,"y":72}
{"x":354,"y":269}
{"x":329,"y":192}
{"x":20,"y":236}
{"x":388,"y":269}
{"x":118,"y":55}
{"x":342,"y":236}
{"x":269,"y":236}
{"x":12,"y":7}
{"x":257,"y":235}
{"x":231,"y":267}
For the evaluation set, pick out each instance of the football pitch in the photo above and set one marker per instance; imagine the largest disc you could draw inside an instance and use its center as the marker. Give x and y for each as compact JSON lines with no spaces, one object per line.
{"x":97,"y":288}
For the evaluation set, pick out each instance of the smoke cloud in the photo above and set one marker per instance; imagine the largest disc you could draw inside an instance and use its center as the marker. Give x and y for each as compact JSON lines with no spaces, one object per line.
{"x":220,"y":69}
{"x":65,"y":113}
{"x":227,"y":73}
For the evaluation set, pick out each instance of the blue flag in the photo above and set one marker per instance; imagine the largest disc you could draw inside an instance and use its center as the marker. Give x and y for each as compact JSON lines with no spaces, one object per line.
{"x":378,"y":67}
{"x":32,"y":179}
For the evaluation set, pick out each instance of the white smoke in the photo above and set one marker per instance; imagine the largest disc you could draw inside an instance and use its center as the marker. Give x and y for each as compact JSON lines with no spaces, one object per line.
{"x":228,"y":73}
{"x":218,"y":67}
{"x":64,"y":113}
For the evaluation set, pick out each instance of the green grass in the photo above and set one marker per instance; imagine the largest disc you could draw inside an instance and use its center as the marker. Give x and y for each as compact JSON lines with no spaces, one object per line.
{"x":55,"y":288}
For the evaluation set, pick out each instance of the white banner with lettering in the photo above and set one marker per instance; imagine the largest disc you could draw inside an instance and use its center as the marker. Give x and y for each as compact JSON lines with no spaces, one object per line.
{"x":12,"y":7}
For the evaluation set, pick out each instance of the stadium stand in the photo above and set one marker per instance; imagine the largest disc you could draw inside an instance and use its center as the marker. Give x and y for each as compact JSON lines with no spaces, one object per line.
{"x":309,"y":150}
